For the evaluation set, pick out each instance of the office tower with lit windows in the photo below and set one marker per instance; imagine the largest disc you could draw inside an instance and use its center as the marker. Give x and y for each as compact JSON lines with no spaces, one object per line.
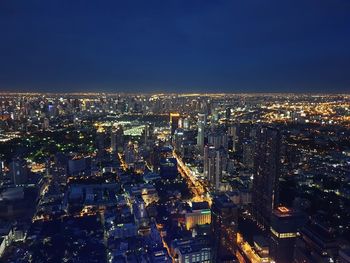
{"x":218,"y":138}
{"x":201,"y":123}
{"x":232,"y":136}
{"x":192,"y":250}
{"x":266,"y":174}
{"x":224,"y":226}
{"x":248,"y":154}
{"x":148,"y":132}
{"x":130,"y":154}
{"x":174,"y":122}
{"x":114,"y":147}
{"x":117,"y":138}
{"x":284,"y":230}
{"x":215,"y":161}
{"x":18,"y":171}
{"x":186,"y":123}
{"x":228,"y":113}
{"x":2,"y":167}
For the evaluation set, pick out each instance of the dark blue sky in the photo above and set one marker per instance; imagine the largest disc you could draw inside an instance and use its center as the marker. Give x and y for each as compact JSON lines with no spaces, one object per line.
{"x":129,"y":45}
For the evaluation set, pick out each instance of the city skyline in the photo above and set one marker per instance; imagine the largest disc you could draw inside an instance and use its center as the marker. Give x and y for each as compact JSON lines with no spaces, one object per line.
{"x":183,"y":131}
{"x":174,"y":178}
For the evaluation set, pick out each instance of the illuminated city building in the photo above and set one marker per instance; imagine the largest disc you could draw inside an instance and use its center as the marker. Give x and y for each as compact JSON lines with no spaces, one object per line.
{"x":224,"y":226}
{"x":248,"y":154}
{"x":2,"y":167}
{"x":218,"y":138}
{"x":266,"y":174}
{"x":174,"y":122}
{"x":232,"y":134}
{"x":200,"y":214}
{"x":201,"y":123}
{"x":193,"y":250}
{"x":130,"y":154}
{"x":117,"y":139}
{"x":186,"y":123}
{"x":215,"y":162}
{"x":284,"y":230}
{"x":178,"y":139}
{"x":18,"y":171}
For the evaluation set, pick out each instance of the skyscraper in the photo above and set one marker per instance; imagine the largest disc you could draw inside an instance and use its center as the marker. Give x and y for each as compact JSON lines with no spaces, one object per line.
{"x":218,"y":138}
{"x":232,"y":134}
{"x":201,"y":131}
{"x":266,"y":174}
{"x":117,"y":134}
{"x":2,"y":166}
{"x":148,"y":131}
{"x":285,"y":226}
{"x":224,"y":226}
{"x":248,"y":154}
{"x":215,"y":161}
{"x":174,"y":122}
{"x":18,"y":171}
{"x":186,"y":123}
{"x":113,"y":140}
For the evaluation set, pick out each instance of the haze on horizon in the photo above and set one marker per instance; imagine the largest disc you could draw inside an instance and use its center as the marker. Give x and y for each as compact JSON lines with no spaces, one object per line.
{"x":175,"y":46}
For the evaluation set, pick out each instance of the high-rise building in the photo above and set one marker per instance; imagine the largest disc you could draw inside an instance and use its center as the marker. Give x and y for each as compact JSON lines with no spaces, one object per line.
{"x":100,"y":142}
{"x":266,"y":174}
{"x":148,"y":132}
{"x":46,"y":124}
{"x":174,"y":122}
{"x":186,"y":124}
{"x":114,"y":140}
{"x":178,"y":139}
{"x":285,"y":226}
{"x":2,"y":166}
{"x":18,"y":171}
{"x":248,"y":154}
{"x":228,"y":113}
{"x":224,"y":226}
{"x":215,"y":161}
{"x":232,"y":134}
{"x":130,"y":154}
{"x":218,"y":138}
{"x":202,"y":119}
{"x":117,"y":138}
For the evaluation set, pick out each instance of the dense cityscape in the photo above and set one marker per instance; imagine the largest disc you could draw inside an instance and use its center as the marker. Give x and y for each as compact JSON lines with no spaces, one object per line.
{"x":105,"y":177}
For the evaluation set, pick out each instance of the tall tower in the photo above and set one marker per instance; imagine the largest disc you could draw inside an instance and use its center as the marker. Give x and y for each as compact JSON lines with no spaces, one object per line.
{"x":266,"y":174}
{"x":2,"y":166}
{"x":117,"y":135}
{"x":114,"y":140}
{"x":18,"y":171}
{"x":285,"y":226}
{"x":214,"y":164}
{"x":186,"y":123}
{"x":224,"y":226}
{"x":148,"y":131}
{"x":202,"y":119}
{"x":174,"y":122}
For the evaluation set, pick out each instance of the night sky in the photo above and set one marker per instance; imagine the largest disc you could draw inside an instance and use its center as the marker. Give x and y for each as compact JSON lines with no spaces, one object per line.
{"x":175,"y":46}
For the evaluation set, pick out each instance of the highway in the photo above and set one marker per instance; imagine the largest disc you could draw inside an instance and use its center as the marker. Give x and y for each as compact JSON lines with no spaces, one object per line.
{"x":198,"y":187}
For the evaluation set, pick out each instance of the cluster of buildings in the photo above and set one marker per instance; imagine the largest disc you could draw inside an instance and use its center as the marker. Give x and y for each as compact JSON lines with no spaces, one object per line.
{"x":174,"y":178}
